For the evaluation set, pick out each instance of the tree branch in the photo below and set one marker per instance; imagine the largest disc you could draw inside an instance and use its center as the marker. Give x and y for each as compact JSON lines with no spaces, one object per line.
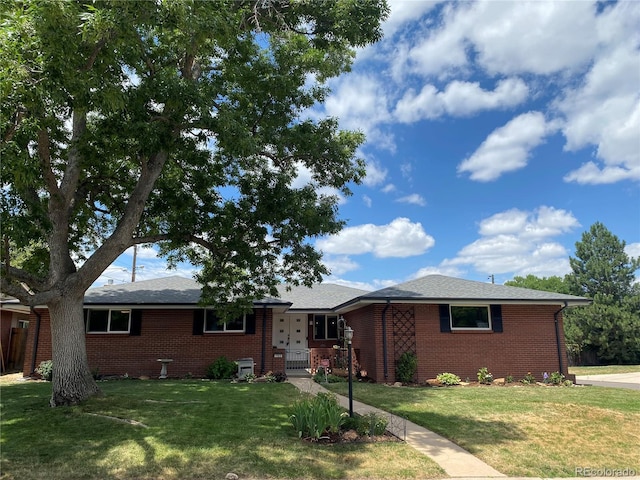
{"x":10,"y":275}
{"x":44,"y":153}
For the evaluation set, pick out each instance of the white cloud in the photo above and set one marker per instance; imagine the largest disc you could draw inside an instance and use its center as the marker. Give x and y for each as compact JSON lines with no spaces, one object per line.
{"x":459,"y":99}
{"x":413,"y":199}
{"x":519,"y":242}
{"x":507,"y":148}
{"x":367,"y":200}
{"x":388,"y":188}
{"x":403,"y":12}
{"x":360,"y":102}
{"x":633,"y":250}
{"x":400,"y":238}
{"x":605,"y":112}
{"x":531,"y":37}
{"x":339,"y":265}
{"x":376,"y":174}
{"x":449,"y":271}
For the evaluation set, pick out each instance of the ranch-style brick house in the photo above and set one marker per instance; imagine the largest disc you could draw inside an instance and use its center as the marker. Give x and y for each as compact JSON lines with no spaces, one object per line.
{"x":452,"y":325}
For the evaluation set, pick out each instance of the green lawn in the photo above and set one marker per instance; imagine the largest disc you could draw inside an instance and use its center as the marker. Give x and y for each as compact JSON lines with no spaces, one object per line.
{"x":187,"y":430}
{"x":606,"y":369}
{"x":524,"y":430}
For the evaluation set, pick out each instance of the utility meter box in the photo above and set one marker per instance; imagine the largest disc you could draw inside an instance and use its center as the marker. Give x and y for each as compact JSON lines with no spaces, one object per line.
{"x":245,"y":366}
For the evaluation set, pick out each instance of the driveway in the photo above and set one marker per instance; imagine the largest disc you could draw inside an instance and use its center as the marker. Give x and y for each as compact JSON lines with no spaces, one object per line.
{"x":615,"y":380}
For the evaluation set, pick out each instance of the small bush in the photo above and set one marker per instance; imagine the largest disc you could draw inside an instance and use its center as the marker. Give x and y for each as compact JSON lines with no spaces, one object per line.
{"x":484,"y":376}
{"x":45,"y":370}
{"x":222,"y":369}
{"x":250,"y":377}
{"x":509,"y":379}
{"x":406,"y":367}
{"x":528,"y":379}
{"x":372,"y":424}
{"x":448,"y":379}
{"x":556,"y":378}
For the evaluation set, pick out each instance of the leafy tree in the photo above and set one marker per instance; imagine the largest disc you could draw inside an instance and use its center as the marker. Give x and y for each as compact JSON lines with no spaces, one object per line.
{"x":172,"y":122}
{"x":547,"y":284}
{"x":610,"y":326}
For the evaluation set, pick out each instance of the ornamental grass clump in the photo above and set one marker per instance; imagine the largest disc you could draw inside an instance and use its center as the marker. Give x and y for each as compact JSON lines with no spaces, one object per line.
{"x":318,"y":417}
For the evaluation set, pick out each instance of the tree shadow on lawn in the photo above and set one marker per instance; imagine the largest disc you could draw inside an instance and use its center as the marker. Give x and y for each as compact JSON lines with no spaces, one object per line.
{"x":195,"y":438}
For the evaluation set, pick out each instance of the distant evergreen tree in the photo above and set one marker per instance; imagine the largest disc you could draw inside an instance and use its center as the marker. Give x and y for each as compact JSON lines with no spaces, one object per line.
{"x":602,"y":271}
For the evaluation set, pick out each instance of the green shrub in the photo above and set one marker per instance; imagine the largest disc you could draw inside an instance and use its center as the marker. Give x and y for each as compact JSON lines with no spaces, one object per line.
{"x":320,"y":377}
{"x":45,"y":370}
{"x":448,"y":379}
{"x":222,"y":369}
{"x":509,"y":379}
{"x":484,"y":376}
{"x":406,"y":367}
{"x":372,"y":424}
{"x":528,"y":379}
{"x":317,"y":416}
{"x":556,"y":378}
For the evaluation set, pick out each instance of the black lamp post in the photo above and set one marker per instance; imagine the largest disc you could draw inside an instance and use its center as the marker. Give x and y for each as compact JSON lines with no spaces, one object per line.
{"x":348,"y":335}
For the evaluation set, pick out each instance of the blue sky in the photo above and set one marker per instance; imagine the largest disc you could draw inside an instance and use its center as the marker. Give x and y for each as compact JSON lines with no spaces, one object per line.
{"x":497,"y":133}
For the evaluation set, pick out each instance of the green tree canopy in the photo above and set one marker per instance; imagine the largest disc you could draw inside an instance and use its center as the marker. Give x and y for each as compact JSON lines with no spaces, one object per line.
{"x":169,"y":122}
{"x":547,"y":284}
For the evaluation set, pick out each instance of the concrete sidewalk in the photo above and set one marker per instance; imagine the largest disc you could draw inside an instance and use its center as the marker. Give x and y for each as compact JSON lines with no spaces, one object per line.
{"x":616,"y":380}
{"x":454,"y":460}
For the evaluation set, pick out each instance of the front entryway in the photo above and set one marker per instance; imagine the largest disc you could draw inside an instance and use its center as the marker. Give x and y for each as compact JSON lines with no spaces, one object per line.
{"x":290,"y":333}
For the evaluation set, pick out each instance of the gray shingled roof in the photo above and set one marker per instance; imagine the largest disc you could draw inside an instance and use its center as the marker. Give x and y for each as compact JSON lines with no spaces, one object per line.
{"x":439,"y":287}
{"x":322,"y":296}
{"x":178,"y":290}
{"x":173,"y":290}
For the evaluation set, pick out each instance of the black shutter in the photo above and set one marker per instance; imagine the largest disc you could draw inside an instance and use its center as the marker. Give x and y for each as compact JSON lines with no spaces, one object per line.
{"x":496,"y":318}
{"x":250,"y":325}
{"x":198,"y":321}
{"x":445,"y":319}
{"x":85,"y":312}
{"x":136,"y":323}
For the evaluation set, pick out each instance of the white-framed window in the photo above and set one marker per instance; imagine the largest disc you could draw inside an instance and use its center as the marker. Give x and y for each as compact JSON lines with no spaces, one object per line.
{"x":108,"y":321}
{"x":212,"y":323}
{"x":325,"y":327}
{"x":470,"y":317}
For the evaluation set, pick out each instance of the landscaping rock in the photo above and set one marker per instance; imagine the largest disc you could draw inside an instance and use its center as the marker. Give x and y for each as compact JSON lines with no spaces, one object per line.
{"x":397,"y":384}
{"x":231,"y":476}
{"x":432,"y":382}
{"x":350,"y":436}
{"x":499,"y":381}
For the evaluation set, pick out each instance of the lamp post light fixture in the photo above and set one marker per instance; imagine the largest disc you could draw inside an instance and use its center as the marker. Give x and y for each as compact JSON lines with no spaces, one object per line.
{"x":348,"y":335}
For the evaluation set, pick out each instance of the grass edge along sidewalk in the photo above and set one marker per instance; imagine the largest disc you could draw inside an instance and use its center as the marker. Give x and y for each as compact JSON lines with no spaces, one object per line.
{"x":454,"y":460}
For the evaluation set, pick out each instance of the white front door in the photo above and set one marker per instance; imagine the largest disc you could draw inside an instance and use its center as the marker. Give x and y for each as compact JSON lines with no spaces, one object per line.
{"x":290,"y":333}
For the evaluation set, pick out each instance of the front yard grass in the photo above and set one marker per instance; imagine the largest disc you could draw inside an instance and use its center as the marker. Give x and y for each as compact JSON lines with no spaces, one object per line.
{"x":185,"y":430}
{"x":523,"y":430}
{"x":605,"y":369}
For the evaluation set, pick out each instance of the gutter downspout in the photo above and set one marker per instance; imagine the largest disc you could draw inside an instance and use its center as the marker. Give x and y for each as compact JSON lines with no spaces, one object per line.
{"x":555,"y":318}
{"x":384,"y":340}
{"x":264,"y":339}
{"x":36,"y":337}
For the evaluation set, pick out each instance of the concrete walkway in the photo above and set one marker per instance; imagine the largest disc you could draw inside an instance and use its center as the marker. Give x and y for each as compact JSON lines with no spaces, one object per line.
{"x":454,"y":460}
{"x":616,"y":380}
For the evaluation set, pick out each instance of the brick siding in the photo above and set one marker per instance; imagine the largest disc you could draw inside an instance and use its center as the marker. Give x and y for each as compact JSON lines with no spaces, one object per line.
{"x":165,"y":334}
{"x":527,"y":344}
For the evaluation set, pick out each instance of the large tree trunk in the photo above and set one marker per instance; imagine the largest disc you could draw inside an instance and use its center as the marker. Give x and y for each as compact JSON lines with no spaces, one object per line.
{"x":72,"y":379}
